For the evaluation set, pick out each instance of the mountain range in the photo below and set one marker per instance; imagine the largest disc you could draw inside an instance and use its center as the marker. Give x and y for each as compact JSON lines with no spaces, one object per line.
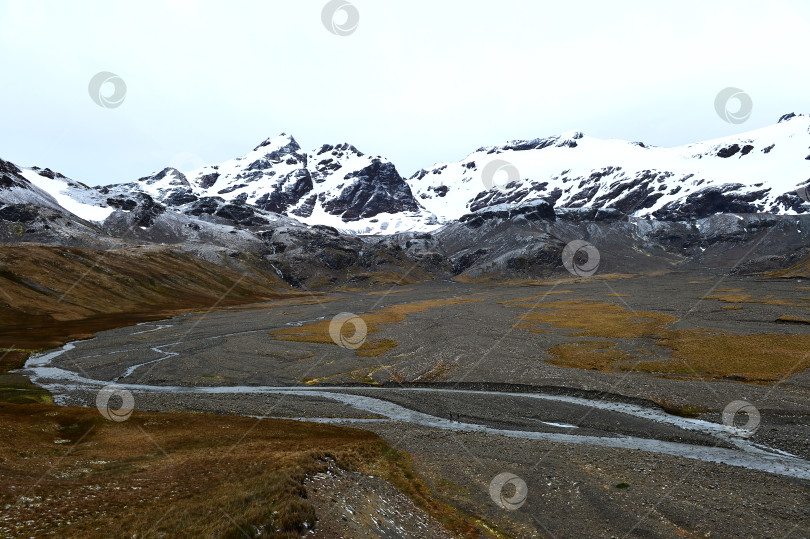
{"x":275,"y":198}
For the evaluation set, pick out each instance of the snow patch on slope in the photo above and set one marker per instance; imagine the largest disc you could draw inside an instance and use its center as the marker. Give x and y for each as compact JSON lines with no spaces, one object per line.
{"x":81,"y":202}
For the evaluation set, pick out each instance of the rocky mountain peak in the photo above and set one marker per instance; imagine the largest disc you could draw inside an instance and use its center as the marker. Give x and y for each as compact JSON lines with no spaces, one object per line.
{"x":173,"y":176}
{"x":282,"y":143}
{"x":567,"y":174}
{"x":788,"y":116}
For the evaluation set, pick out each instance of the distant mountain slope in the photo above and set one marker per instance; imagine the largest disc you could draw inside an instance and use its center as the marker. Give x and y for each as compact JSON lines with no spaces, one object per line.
{"x":334,"y":185}
{"x":571,"y":175}
{"x":758,"y":171}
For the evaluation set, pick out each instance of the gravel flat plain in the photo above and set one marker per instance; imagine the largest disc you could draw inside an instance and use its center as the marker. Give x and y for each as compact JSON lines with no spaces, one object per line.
{"x":458,"y":392}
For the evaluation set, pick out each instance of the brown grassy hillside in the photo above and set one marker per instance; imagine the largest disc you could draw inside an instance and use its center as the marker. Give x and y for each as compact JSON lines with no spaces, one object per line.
{"x":48,"y":294}
{"x":70,"y":472}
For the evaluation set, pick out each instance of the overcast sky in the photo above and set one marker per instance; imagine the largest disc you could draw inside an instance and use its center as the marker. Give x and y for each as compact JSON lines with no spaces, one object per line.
{"x":418,"y":82}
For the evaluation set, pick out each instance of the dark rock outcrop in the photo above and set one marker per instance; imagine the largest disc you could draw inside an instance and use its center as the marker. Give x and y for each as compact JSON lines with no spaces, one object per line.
{"x":712,"y":200}
{"x":376,"y":189}
{"x":541,"y":210}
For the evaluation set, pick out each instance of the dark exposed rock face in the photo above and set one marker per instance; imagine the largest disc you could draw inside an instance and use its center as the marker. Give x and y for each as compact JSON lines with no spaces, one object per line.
{"x":181,"y":178}
{"x":495,"y":197}
{"x":290,"y":154}
{"x":729,"y":151}
{"x":241,"y":214}
{"x":296,"y":185}
{"x":8,"y":167}
{"x":466,"y":261}
{"x":547,"y":256}
{"x":538,"y":211}
{"x":712,"y":200}
{"x":9,"y":176}
{"x":376,"y":189}
{"x":122,"y":203}
{"x":330,"y":160}
{"x":209,"y":180}
{"x":306,"y":208}
{"x":640,"y":193}
{"x":205,"y":205}
{"x":235,"y":211}
{"x":180,"y":197}
{"x":144,"y":208}
{"x":19,"y":213}
{"x":48,"y":173}
{"x":536,"y":144}
{"x":581,"y":215}
{"x":791,"y":201}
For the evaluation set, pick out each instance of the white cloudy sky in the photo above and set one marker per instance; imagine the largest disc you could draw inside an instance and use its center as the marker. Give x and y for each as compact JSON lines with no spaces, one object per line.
{"x":419,"y":82}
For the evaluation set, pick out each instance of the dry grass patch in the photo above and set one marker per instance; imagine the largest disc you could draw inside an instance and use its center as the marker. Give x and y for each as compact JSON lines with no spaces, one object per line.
{"x":732,"y":308}
{"x":318,"y":332}
{"x":738,"y":297}
{"x":70,"y":472}
{"x":376,"y":347}
{"x":800,"y":270}
{"x":712,"y":354}
{"x":761,"y":357}
{"x":437,"y":372}
{"x":597,"y":319}
{"x":362,"y":375}
{"x":594,"y":355}
{"x":681,"y":410}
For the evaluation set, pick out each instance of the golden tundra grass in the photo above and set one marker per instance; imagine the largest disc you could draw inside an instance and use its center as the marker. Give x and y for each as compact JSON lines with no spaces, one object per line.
{"x":597,"y":355}
{"x":736,"y":296}
{"x":70,"y":472}
{"x":362,"y":375}
{"x":760,"y":357}
{"x":318,"y":332}
{"x":800,"y":269}
{"x":55,"y":294}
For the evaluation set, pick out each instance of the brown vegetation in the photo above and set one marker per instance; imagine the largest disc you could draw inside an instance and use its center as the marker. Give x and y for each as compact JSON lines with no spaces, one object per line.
{"x":318,"y":332}
{"x":596,"y":355}
{"x":56,"y":294}
{"x":800,"y":269}
{"x":735,"y":296}
{"x":760,"y":357}
{"x":69,"y":471}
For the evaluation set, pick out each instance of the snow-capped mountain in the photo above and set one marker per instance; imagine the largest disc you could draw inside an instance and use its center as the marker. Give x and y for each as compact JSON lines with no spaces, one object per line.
{"x":567,"y":176}
{"x":47,"y":189}
{"x":334,"y":185}
{"x":758,"y":171}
